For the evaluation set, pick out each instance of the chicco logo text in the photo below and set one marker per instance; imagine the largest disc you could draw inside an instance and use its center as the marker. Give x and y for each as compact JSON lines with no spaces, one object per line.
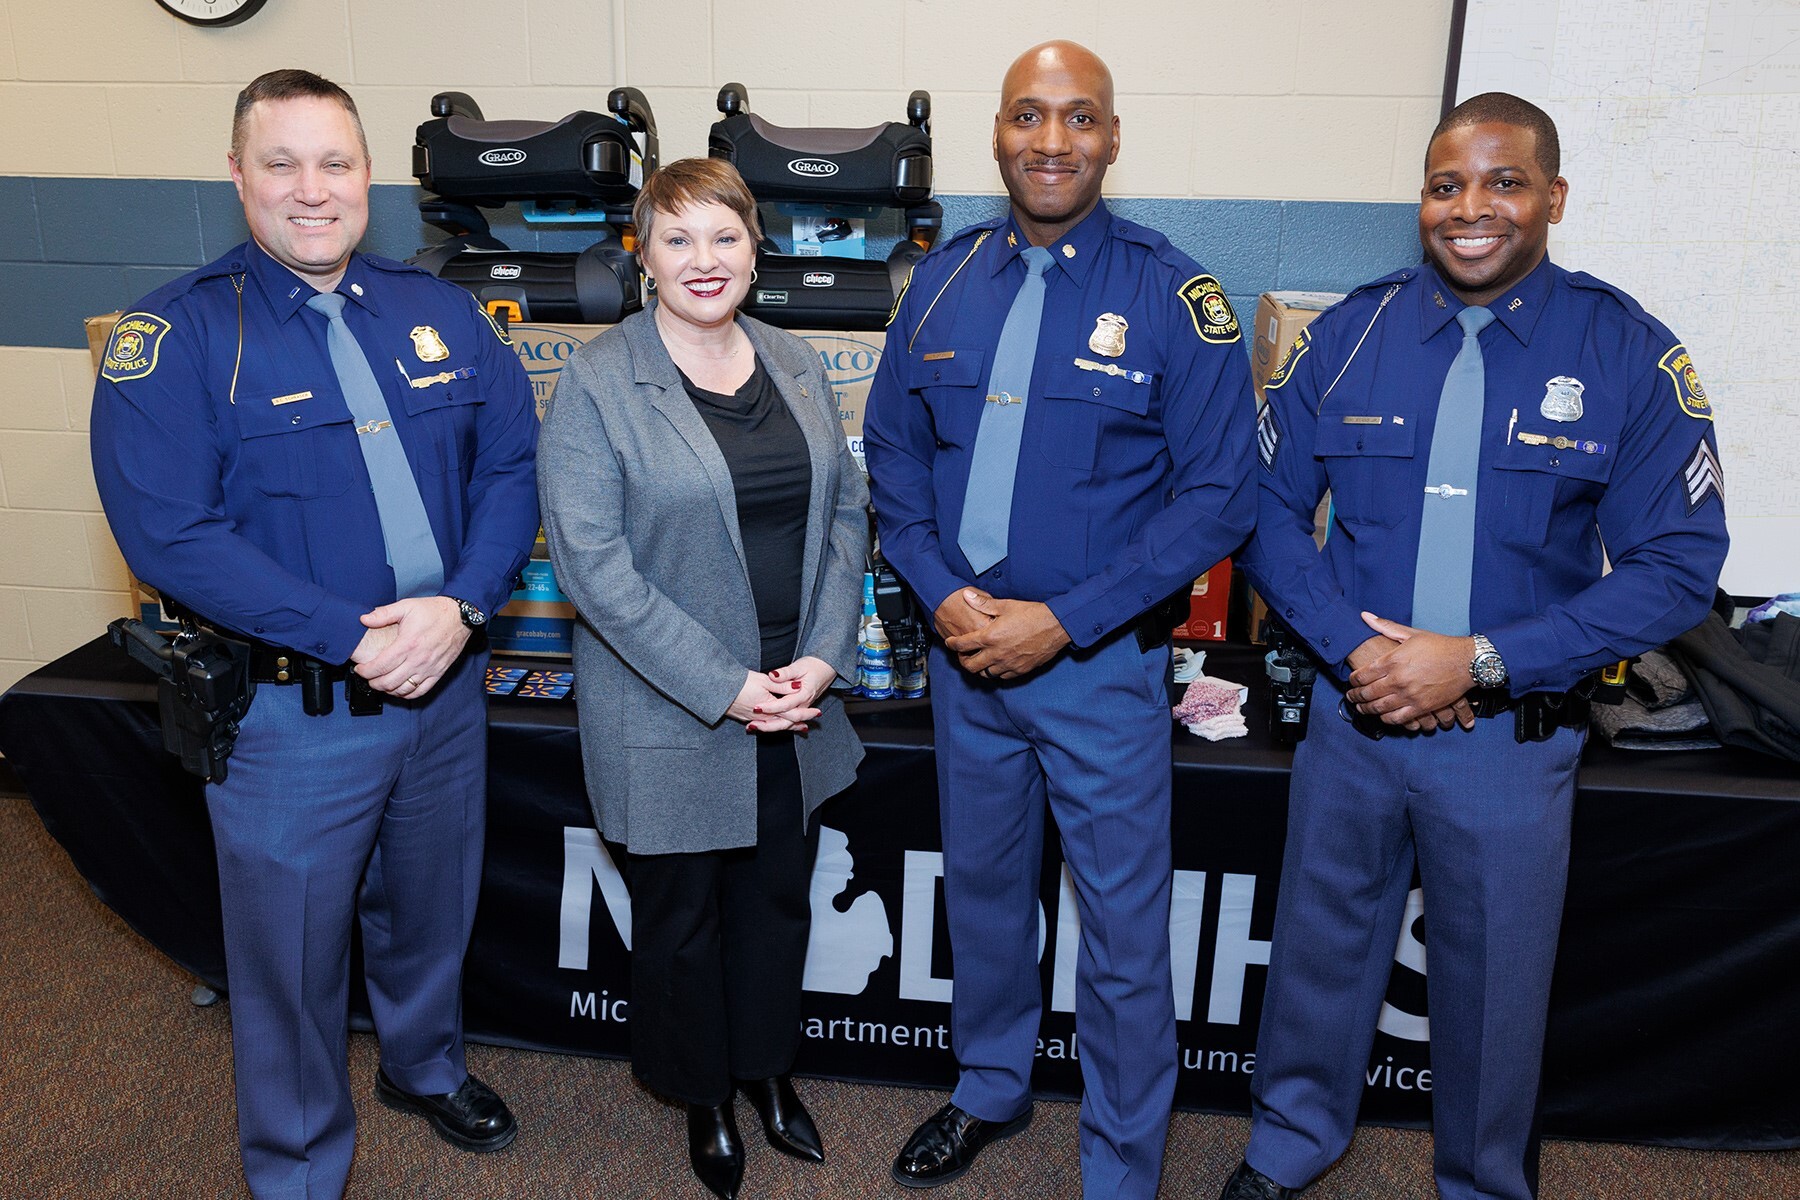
{"x":818,"y":279}
{"x":503,"y":271}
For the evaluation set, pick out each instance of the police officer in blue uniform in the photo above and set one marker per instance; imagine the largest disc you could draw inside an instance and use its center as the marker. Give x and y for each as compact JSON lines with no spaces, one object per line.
{"x":331,"y":455}
{"x":1058,"y":438}
{"x":1491,"y":428}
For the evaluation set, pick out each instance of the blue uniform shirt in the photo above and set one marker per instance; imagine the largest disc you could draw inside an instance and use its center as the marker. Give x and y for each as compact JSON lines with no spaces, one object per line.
{"x":1134,"y":469}
{"x":229,"y":469}
{"x":1597,"y":440}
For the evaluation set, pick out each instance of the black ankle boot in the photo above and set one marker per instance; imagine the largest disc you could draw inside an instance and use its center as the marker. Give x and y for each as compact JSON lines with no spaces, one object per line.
{"x":714,"y":1148}
{"x":789,"y":1126}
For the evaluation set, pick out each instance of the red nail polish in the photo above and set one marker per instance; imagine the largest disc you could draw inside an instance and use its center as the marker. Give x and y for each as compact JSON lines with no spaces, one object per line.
{"x":756,"y":710}
{"x":796,"y":685}
{"x":774,"y":674}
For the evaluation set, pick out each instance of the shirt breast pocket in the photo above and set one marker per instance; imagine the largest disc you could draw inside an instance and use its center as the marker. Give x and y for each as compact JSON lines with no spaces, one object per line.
{"x":445,"y":414}
{"x":299,"y":448}
{"x":954,"y":391}
{"x":1081,"y":407}
{"x":1369,"y":468}
{"x":1538,"y":482}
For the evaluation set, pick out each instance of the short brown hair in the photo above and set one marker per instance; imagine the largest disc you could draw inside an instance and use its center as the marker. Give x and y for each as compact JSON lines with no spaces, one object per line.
{"x":290,"y":83}
{"x":689,"y":181}
{"x":1504,"y":108}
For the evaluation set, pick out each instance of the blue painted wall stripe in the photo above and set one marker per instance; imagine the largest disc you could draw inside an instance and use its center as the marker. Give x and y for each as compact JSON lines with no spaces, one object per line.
{"x":70,"y":248}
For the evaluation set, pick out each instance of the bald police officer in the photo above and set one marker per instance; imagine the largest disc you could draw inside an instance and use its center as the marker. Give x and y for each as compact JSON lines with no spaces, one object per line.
{"x":1492,"y":428}
{"x":1059,"y":437}
{"x":331,"y":455}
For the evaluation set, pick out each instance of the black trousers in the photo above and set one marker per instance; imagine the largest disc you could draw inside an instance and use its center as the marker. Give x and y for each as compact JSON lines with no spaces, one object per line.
{"x":718,"y":947}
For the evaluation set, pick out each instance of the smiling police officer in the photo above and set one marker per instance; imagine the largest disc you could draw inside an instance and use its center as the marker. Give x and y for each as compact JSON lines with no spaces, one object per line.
{"x":1059,"y":437}
{"x":1492,"y":428}
{"x":331,"y":455}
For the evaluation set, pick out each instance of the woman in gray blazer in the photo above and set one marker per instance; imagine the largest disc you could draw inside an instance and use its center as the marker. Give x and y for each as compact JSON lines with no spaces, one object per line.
{"x":708,"y":521}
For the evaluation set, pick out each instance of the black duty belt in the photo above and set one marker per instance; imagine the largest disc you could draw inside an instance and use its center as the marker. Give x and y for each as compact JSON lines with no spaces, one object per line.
{"x":276,"y":665}
{"x":1536,"y":716}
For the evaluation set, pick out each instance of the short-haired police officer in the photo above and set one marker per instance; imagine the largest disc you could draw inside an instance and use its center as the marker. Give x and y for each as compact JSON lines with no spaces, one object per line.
{"x":1491,"y":428}
{"x":1059,"y":437}
{"x":331,"y":455}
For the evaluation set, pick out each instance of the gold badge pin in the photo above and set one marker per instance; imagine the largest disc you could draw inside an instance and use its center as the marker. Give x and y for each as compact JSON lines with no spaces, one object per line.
{"x":428,"y":345}
{"x":1108,"y":337}
{"x":1011,"y":240}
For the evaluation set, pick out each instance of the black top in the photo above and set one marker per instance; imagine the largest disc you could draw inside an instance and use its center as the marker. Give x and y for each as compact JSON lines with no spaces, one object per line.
{"x":772,"y":475}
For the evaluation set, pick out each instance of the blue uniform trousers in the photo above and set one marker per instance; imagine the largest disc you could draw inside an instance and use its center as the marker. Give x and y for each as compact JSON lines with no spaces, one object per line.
{"x":321,"y":820}
{"x":1089,"y":734}
{"x":1486,"y":820}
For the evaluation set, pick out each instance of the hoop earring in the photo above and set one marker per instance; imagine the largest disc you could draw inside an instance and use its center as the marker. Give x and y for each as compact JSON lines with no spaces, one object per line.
{"x":752,"y":274}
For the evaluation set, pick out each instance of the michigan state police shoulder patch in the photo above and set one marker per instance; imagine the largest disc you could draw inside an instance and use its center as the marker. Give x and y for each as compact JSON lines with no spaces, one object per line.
{"x":1213,"y":319}
{"x":1284,"y":370}
{"x":131,"y":351}
{"x":1678,"y":364}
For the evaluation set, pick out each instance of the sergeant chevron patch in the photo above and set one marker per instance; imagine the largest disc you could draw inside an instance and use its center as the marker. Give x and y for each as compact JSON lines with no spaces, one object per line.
{"x":1268,"y":437}
{"x":1703,"y":477}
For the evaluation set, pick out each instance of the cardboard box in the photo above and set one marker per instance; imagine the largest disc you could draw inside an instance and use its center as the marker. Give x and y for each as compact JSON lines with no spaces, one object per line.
{"x":1208,"y":606}
{"x":542,"y":351}
{"x":98,"y":330}
{"x":539,"y":620}
{"x":1280,"y":316}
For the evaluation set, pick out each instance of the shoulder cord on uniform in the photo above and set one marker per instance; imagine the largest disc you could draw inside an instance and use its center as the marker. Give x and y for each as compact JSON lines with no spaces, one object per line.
{"x":1393,"y":290}
{"x":237,"y":283}
{"x":980,"y":238}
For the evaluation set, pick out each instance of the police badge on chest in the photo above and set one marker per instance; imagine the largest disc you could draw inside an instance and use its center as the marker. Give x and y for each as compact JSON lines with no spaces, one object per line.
{"x":1562,"y":399}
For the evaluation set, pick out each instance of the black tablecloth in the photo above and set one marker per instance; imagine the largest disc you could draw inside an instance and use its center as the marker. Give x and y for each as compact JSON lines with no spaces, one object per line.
{"x":1673,"y":1015}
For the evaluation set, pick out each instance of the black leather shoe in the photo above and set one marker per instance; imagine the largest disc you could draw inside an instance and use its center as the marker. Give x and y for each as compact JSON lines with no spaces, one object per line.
{"x":715,"y":1150}
{"x":785,"y":1121}
{"x":945,"y":1146}
{"x":1248,"y":1183}
{"x":470,"y":1118}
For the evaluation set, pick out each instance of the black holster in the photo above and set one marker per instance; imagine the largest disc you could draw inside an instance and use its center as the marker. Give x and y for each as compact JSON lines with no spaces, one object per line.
{"x":203,"y":689}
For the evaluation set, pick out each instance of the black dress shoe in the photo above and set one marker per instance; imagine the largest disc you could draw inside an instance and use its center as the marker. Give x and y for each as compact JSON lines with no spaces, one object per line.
{"x":1248,"y":1183}
{"x":470,"y":1118}
{"x":785,"y":1121}
{"x":714,"y":1149}
{"x":945,"y":1146}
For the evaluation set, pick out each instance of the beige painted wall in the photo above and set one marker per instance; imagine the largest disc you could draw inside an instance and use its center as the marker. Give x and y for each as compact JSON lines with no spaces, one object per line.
{"x":1277,"y":99}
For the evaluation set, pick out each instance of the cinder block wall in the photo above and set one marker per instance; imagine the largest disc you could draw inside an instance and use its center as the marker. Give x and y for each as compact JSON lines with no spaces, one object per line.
{"x":1278,"y":142}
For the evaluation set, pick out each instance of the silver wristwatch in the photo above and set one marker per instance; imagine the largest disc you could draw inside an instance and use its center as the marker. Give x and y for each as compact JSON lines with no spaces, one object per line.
{"x":1485,"y":668}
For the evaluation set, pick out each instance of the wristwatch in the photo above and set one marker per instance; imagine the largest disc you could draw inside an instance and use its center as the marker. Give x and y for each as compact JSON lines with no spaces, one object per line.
{"x":1485,"y":668}
{"x":473,"y":617}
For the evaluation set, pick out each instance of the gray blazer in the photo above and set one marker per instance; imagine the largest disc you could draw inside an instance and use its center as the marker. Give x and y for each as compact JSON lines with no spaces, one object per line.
{"x":642,"y":524}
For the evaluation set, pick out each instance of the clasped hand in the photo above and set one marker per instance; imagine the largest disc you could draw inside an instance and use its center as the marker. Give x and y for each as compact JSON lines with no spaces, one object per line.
{"x":1412,"y":677}
{"x":1001,"y":639}
{"x":410,"y":644}
{"x":783,"y":699}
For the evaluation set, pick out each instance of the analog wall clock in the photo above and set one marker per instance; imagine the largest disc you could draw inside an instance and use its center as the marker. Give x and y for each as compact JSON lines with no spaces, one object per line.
{"x":213,"y":14}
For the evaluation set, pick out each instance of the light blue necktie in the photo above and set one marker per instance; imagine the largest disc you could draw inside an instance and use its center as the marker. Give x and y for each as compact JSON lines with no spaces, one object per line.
{"x":1447,"y":532}
{"x":987,"y":504}
{"x":411,"y":549}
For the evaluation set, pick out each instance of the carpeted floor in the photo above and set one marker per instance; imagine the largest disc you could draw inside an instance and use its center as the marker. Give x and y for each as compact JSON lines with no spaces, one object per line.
{"x":112,"y":1084}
